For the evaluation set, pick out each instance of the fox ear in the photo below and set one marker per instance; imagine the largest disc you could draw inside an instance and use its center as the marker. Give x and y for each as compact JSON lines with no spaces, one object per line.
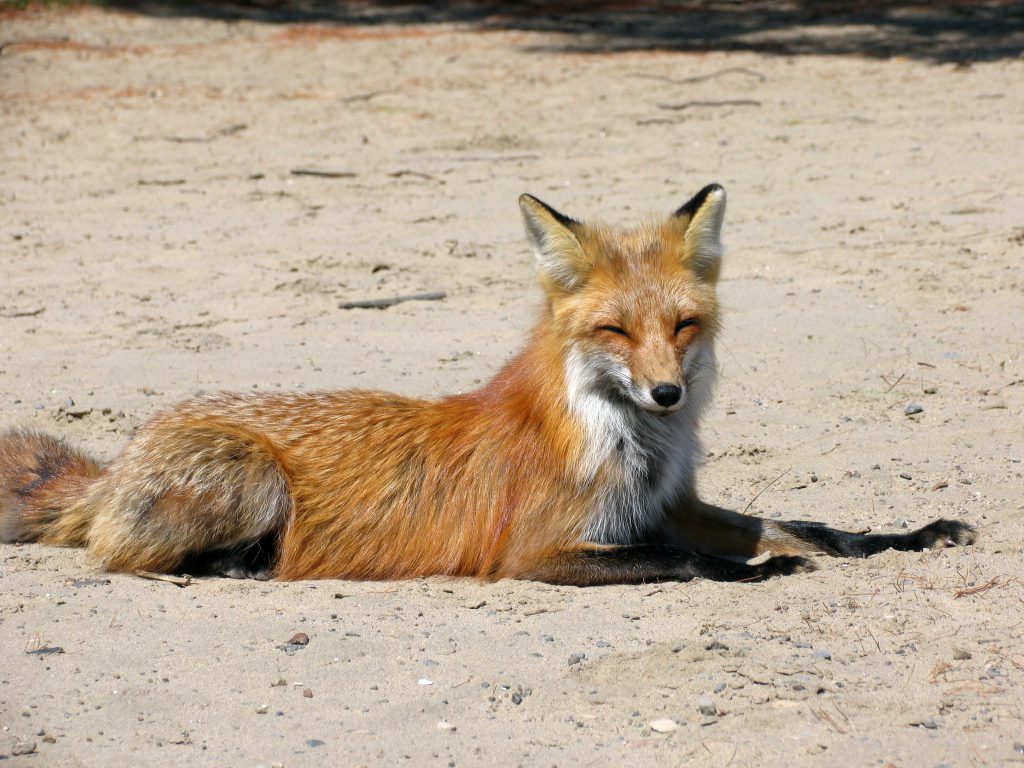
{"x":702,"y":239}
{"x":559,"y":253}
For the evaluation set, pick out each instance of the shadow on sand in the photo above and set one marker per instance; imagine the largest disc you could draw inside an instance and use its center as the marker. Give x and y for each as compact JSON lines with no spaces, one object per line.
{"x":934,"y":31}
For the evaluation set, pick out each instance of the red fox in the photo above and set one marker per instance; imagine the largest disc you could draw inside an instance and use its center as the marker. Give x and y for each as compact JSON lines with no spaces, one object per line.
{"x":574,"y":465}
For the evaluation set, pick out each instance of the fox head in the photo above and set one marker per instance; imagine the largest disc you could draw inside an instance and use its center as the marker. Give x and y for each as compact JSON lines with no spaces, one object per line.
{"x":635,"y":310}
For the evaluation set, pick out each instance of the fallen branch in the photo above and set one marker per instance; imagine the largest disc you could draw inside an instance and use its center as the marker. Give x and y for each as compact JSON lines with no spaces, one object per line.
{"x":219,"y":133}
{"x":724,"y":103}
{"x":322,"y":174}
{"x":23,"y":313}
{"x":391,"y":301}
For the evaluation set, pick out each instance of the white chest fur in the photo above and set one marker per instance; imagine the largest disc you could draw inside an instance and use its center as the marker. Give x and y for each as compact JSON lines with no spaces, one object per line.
{"x":643,"y":461}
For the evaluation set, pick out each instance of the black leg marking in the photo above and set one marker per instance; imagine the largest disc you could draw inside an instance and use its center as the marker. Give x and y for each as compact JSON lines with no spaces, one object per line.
{"x":842,"y":544}
{"x":639,"y":563}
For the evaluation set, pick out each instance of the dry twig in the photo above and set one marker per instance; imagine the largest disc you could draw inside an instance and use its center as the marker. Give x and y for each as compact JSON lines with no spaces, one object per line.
{"x":702,"y":103}
{"x":773,"y":482}
{"x":391,"y":301}
{"x":701,"y":78}
{"x":322,"y":174}
{"x":179,"y":581}
{"x":993,"y":582}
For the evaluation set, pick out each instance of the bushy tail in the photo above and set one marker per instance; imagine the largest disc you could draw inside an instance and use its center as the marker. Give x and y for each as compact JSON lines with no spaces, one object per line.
{"x":41,"y":479}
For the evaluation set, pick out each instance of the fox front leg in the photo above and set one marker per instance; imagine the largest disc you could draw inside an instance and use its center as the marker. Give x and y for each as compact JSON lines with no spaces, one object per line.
{"x":593,"y":565}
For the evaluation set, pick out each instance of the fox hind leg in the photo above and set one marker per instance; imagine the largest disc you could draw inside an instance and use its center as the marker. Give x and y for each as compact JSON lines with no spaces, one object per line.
{"x":249,"y":560}
{"x":191,"y":493}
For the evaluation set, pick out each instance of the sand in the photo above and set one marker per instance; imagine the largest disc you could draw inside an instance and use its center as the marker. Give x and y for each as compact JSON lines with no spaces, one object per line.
{"x":157,"y":242}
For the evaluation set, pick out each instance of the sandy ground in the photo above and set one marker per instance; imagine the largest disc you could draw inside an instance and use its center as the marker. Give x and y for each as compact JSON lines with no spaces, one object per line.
{"x":155,"y":242}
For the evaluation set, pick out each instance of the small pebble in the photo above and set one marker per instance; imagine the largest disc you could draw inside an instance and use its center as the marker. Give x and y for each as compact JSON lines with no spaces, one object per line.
{"x":308,"y":693}
{"x":603,"y":644}
{"x":663,"y":726}
{"x":262,"y":709}
{"x":912,"y":408}
{"x":906,"y":476}
{"x":23,"y":748}
{"x":315,"y":743}
{"x":960,"y":654}
{"x":576,"y":658}
{"x":706,"y":706}
{"x":721,"y":687}
{"x":424,"y":681}
{"x":823,"y":653}
{"x":299,"y":638}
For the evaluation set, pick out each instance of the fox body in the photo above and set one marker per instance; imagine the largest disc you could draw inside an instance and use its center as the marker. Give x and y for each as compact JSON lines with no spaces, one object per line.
{"x":575,"y":464}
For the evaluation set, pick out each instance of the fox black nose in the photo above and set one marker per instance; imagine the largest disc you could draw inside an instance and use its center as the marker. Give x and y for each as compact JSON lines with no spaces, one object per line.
{"x":666,"y":395}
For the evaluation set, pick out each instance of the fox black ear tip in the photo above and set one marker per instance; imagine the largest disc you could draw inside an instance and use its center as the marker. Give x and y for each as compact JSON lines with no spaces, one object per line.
{"x":713,"y":191}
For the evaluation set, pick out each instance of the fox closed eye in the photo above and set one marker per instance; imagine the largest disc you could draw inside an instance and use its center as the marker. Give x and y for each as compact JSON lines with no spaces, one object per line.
{"x":613,"y":329}
{"x":687,"y":323}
